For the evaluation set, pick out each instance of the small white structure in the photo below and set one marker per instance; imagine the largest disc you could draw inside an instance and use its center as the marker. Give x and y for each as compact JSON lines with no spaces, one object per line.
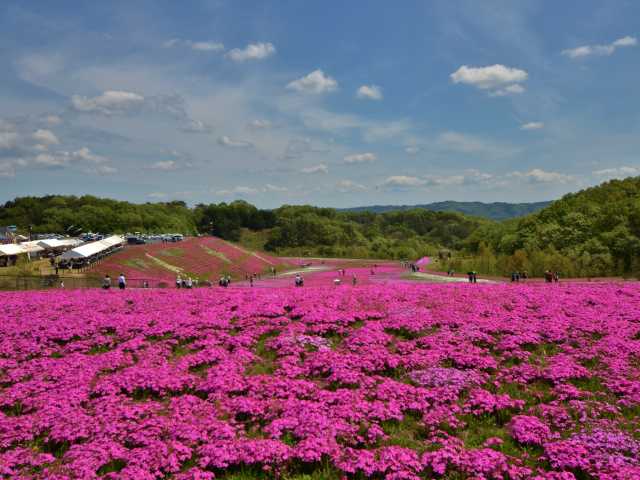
{"x":11,"y":249}
{"x":9,"y":252}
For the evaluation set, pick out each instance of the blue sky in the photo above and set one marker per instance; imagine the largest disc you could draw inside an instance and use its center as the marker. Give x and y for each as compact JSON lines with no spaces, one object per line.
{"x":329,"y":103}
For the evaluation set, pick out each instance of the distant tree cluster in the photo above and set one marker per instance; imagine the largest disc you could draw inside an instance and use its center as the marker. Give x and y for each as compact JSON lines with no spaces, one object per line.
{"x":70,"y":214}
{"x":594,"y":232}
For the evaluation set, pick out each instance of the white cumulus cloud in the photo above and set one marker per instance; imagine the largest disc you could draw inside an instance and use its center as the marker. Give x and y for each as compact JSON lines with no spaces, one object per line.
{"x":617,"y":172}
{"x":600,"y":50}
{"x":348,"y":186}
{"x":253,"y":51}
{"x":403,"y":181}
{"x":498,"y":80}
{"x":269,"y":188}
{"x":316,"y":82}
{"x":226,"y":141}
{"x":360,"y":158}
{"x":46,"y":137}
{"x":369,"y":92}
{"x":202,"y":46}
{"x":532,"y":126}
{"x":82,"y":156}
{"x":412,"y":150}
{"x":165,"y":165}
{"x":239,"y":190}
{"x":52,"y":120}
{"x":320,"y":168}
{"x":259,"y":124}
{"x":108,"y":103}
{"x":626,"y":42}
{"x":196,"y":126}
{"x":538,"y":175}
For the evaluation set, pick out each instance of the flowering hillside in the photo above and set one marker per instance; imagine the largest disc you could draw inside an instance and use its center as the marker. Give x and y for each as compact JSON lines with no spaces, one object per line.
{"x":204,"y":258}
{"x":414,"y":381}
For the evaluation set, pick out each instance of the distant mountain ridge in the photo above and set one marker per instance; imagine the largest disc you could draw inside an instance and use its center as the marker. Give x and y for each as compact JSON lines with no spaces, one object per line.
{"x":493,"y":211}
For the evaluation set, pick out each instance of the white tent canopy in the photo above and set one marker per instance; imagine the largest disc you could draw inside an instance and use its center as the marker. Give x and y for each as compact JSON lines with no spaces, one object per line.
{"x":52,"y":243}
{"x":90,"y":249}
{"x":11,"y":249}
{"x":31,"y":247}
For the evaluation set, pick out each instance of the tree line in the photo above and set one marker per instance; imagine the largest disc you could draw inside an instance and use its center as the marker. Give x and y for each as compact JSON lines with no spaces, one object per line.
{"x":594,"y":232}
{"x":590,"y":233}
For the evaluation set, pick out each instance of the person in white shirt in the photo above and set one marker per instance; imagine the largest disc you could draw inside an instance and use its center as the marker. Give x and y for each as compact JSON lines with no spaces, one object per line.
{"x":122,"y":282}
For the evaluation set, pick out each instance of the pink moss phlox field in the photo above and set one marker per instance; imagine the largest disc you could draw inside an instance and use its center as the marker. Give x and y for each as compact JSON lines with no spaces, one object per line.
{"x":401,"y":382}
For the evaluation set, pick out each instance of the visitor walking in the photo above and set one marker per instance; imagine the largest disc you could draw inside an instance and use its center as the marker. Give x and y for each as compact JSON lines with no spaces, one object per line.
{"x":122,"y":282}
{"x":299,"y":282}
{"x":189,"y":283}
{"x":106,"y":282}
{"x":354,"y":281}
{"x":178,"y":282}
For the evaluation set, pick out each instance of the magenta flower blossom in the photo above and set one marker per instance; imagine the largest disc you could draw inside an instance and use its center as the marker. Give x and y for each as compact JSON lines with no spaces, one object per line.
{"x":414,"y":381}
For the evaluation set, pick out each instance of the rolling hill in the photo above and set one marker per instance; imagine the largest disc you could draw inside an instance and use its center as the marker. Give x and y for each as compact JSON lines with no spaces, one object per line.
{"x":493,"y":211}
{"x":202,"y":258}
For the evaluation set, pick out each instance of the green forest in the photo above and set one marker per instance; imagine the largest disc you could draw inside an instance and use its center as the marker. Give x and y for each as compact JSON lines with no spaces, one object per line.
{"x":594,"y":232}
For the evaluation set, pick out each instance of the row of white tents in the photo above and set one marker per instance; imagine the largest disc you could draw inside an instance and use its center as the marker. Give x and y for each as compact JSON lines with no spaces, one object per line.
{"x":92,"y":250}
{"x":36,"y":247}
{"x":75,"y":252}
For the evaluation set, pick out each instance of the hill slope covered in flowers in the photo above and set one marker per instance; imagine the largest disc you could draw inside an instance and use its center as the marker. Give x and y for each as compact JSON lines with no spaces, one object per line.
{"x":415,"y":381}
{"x":199,"y":257}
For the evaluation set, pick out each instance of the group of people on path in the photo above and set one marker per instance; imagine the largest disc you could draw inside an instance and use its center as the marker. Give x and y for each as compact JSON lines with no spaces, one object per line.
{"x":412,"y":266}
{"x":106,"y":282}
{"x":187,"y":282}
{"x":517,"y":276}
{"x":551,"y":277}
